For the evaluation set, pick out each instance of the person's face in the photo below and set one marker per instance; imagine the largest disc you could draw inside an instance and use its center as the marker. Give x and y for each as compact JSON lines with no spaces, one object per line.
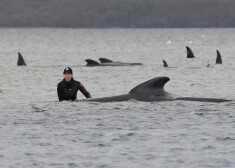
{"x":68,"y":76}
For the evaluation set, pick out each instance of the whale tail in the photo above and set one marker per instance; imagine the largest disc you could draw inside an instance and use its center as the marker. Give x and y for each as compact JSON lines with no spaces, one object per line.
{"x":151,"y":87}
{"x":20,"y":61}
{"x":91,"y":62}
{"x":189,"y":53}
{"x":105,"y":60}
{"x":218,"y":58}
{"x":164,"y":63}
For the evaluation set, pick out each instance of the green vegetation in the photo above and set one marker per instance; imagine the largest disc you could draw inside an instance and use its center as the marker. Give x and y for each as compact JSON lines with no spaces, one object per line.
{"x":117,"y":13}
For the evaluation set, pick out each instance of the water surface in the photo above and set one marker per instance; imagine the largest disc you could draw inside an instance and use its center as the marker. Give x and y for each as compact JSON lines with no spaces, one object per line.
{"x":38,"y":131}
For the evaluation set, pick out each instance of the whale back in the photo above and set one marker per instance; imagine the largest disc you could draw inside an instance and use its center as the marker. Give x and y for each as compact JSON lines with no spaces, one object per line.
{"x":91,"y":62}
{"x":218,"y":58}
{"x":20,"y":61}
{"x":105,"y":60}
{"x":154,"y":87}
{"x":189,"y":53}
{"x":152,"y":90}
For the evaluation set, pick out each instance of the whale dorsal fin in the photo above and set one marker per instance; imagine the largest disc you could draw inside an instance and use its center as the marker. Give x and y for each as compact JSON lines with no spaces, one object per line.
{"x":105,"y":60}
{"x":164,"y":63}
{"x":189,"y":53}
{"x":91,"y":62}
{"x":218,"y":58}
{"x":208,"y":64}
{"x":20,"y":61}
{"x":154,"y":86}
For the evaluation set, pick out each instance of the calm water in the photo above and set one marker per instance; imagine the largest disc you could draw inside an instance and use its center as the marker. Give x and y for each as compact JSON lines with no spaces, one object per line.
{"x":38,"y":131}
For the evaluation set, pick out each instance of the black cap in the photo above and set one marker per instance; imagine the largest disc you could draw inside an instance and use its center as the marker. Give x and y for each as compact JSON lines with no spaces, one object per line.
{"x":68,"y":70}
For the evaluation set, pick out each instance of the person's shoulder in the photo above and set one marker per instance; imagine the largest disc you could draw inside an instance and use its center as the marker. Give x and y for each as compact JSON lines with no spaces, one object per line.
{"x":79,"y":83}
{"x":60,"y":84}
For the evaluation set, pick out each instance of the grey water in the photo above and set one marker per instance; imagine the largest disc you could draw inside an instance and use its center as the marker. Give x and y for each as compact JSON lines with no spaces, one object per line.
{"x":38,"y":131}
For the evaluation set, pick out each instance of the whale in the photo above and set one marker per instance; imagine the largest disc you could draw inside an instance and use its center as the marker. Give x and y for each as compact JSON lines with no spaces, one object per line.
{"x":108,"y":62}
{"x":189,"y":53}
{"x":165,"y":63}
{"x":20,"y":61}
{"x":193,"y":66}
{"x":151,"y":91}
{"x":105,"y":60}
{"x":218,"y":58}
{"x":92,"y":63}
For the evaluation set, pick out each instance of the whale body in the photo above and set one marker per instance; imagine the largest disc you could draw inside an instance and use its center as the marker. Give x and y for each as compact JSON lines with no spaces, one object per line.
{"x":107,"y":62}
{"x":192,"y":66}
{"x":150,"y":91}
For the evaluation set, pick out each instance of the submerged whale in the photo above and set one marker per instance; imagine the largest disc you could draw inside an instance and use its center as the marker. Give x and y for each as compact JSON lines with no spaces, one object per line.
{"x":107,"y":62}
{"x":166,"y":65}
{"x":152,"y":90}
{"x":193,"y":66}
{"x":218,"y":61}
{"x":20,"y":61}
{"x":189,"y":53}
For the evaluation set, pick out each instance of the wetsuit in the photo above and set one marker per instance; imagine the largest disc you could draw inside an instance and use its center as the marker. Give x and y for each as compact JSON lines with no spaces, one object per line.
{"x":68,"y":90}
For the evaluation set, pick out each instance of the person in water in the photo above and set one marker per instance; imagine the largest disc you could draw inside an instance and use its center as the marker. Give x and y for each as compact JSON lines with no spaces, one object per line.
{"x":68,"y":87}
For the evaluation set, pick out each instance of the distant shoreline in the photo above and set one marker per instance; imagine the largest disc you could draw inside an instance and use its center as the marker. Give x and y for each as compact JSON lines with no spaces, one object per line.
{"x":117,"y":14}
{"x":171,"y":27}
{"x":116,"y":28}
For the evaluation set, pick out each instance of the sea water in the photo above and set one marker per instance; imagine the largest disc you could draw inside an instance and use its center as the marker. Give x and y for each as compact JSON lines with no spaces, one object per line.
{"x":36,"y":130}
